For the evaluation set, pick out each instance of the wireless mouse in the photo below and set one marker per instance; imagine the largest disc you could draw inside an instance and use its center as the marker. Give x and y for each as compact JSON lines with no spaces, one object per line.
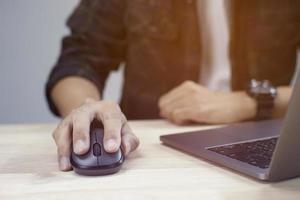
{"x":97,"y":161}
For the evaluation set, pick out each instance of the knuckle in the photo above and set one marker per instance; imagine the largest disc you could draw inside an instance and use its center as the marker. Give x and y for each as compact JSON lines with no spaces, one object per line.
{"x":76,"y":118}
{"x":110,"y":110}
{"x":79,"y":115}
{"x":73,"y":112}
{"x":188,"y":83}
{"x":81,"y":109}
{"x":88,"y":101}
{"x":112,"y":115}
{"x":76,"y":112}
{"x":190,"y":86}
{"x":86,"y":106}
{"x":192,"y":93}
{"x":134,"y":142}
{"x":76,"y":123}
{"x":193,"y":89}
{"x":110,"y":104}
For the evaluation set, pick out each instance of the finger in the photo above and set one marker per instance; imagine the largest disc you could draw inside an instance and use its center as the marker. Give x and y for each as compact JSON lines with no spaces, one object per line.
{"x":81,"y":120}
{"x":179,"y":103}
{"x":176,"y":93}
{"x":112,"y":120}
{"x":191,"y":113}
{"x":171,"y":96}
{"x":129,"y":141}
{"x":63,"y":141}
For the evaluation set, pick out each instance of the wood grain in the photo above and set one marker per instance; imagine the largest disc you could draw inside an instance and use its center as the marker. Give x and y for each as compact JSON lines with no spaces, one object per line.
{"x":28,"y":170}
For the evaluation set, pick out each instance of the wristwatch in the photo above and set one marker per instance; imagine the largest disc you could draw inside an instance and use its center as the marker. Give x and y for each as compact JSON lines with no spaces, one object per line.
{"x":264,"y":93}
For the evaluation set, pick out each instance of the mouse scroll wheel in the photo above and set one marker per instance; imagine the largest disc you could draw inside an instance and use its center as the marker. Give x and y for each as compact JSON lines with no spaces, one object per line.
{"x":97,"y":149}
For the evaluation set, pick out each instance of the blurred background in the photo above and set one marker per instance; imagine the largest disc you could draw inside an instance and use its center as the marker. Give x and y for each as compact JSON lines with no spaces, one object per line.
{"x":30,"y":36}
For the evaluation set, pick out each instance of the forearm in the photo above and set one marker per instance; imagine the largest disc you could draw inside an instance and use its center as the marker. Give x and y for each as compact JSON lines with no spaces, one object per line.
{"x":282,"y":101}
{"x":71,"y":92}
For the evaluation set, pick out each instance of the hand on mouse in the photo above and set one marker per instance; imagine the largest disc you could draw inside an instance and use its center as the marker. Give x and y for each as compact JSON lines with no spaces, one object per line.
{"x":191,"y":102}
{"x":75,"y":128}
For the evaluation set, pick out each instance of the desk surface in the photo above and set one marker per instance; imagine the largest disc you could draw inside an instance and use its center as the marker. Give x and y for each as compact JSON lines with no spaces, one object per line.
{"x":28,"y":170}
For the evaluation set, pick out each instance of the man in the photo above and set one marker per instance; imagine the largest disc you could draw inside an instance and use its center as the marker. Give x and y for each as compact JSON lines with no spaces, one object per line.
{"x":177,"y":67}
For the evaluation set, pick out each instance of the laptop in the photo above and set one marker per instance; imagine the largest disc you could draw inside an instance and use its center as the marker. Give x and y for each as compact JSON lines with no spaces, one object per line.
{"x":266,"y":150}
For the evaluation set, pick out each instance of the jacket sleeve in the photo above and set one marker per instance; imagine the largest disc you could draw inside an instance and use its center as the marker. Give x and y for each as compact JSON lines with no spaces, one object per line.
{"x":95,"y":46}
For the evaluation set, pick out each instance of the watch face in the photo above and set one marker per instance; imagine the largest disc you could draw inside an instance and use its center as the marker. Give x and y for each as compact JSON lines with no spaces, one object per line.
{"x":264,"y":93}
{"x":262,"y":88}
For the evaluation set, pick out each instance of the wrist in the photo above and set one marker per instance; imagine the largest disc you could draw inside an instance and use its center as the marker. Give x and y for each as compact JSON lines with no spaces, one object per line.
{"x":248,"y":106}
{"x":264,"y":93}
{"x":281,"y":101}
{"x":72,"y":92}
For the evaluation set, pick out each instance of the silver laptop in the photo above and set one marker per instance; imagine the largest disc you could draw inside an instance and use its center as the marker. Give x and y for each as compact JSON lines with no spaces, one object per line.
{"x":266,"y":150}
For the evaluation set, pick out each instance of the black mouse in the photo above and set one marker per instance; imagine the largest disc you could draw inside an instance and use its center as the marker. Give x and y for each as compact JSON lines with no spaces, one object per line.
{"x":97,"y":161}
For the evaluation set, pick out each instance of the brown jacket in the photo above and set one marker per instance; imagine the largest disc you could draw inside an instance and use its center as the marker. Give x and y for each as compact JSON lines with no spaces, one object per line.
{"x":158,"y":40}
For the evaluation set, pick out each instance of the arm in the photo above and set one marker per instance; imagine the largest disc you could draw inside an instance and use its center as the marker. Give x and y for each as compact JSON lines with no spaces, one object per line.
{"x":94,"y":48}
{"x":77,"y":100}
{"x":72,"y":92}
{"x":191,"y":102}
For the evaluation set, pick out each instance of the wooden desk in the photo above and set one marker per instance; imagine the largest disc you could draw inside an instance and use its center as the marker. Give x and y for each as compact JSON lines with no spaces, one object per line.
{"x":28,"y":170}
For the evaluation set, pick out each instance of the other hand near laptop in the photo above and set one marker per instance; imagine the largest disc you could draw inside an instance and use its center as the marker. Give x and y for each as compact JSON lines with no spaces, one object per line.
{"x":191,"y":102}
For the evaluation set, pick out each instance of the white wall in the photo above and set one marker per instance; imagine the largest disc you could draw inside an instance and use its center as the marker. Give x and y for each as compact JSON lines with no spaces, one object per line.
{"x":30,"y":35}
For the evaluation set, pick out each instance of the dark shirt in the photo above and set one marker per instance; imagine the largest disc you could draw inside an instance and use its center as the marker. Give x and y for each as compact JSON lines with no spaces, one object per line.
{"x":158,"y":40}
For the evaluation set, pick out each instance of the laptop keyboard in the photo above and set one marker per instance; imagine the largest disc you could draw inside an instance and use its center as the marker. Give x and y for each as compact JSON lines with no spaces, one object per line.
{"x":258,"y":153}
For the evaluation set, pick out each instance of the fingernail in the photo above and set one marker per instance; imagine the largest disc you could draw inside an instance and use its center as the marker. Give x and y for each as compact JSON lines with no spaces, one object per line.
{"x":111,"y":145}
{"x":64,"y":163}
{"x":79,"y":147}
